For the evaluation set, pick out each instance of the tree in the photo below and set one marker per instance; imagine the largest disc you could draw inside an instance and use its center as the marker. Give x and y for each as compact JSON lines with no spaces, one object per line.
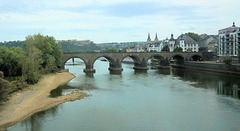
{"x":227,"y":60}
{"x":203,"y":49}
{"x":193,"y":36}
{"x":9,"y":61}
{"x":32,"y":65}
{"x":153,"y":51}
{"x":178,"y":49}
{"x":165,"y":48}
{"x":50,"y":51}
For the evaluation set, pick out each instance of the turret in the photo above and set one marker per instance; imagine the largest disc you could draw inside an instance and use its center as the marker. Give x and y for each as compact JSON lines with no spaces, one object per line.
{"x":233,"y":24}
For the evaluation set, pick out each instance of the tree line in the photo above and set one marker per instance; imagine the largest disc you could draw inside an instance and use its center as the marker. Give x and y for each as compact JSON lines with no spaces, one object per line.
{"x":39,"y":55}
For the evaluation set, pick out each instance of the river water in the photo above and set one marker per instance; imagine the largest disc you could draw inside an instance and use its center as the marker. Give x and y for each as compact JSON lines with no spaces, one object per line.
{"x":156,"y":100}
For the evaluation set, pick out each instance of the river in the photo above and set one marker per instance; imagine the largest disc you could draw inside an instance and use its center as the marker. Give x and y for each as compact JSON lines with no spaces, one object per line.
{"x":156,"y":100}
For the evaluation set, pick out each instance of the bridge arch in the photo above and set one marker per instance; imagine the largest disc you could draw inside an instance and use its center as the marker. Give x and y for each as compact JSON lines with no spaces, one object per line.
{"x":177,"y":59}
{"x":110,"y":59}
{"x":68,"y":58}
{"x":113,"y":64}
{"x":196,"y":57}
{"x":156,"y":56}
{"x":156,"y":60}
{"x":138,"y":63}
{"x":135,"y":58}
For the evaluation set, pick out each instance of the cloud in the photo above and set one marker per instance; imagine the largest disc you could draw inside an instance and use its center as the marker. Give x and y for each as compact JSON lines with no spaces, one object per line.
{"x":107,"y":20}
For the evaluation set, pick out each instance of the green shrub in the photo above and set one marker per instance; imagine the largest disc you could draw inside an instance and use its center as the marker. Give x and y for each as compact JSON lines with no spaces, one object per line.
{"x":227,"y":60}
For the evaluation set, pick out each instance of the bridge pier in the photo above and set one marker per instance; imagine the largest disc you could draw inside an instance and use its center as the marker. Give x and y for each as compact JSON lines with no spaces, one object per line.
{"x":89,"y":70}
{"x":115,"y":69}
{"x":115,"y":66}
{"x":140,"y":68}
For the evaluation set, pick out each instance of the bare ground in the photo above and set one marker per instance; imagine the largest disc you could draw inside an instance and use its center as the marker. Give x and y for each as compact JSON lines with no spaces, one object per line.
{"x":35,"y":99}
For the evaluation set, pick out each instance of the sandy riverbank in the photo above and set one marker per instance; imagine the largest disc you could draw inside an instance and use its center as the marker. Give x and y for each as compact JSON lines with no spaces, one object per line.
{"x":36,"y":98}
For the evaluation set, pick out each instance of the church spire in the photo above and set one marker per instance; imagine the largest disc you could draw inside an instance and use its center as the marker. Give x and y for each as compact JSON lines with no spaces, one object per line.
{"x":156,"y":39}
{"x":149,"y":39}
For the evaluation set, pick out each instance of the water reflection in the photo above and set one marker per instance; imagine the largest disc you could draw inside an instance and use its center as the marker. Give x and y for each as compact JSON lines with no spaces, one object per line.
{"x":224,"y":84}
{"x":137,"y":72}
{"x":35,"y":122}
{"x":115,"y":72}
{"x":91,"y":75}
{"x":228,"y":89}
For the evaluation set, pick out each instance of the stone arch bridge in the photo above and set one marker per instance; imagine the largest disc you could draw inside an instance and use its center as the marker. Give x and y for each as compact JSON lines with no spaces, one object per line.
{"x":140,"y":58}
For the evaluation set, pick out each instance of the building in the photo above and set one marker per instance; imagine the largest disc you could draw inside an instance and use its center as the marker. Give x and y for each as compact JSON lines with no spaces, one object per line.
{"x":172,"y":43}
{"x":187,"y":43}
{"x":229,"y":41}
{"x":205,"y":40}
{"x":153,"y":46}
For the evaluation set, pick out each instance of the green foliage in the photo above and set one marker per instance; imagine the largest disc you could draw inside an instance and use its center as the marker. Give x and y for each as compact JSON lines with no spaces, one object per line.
{"x":9,"y":60}
{"x":165,"y":48}
{"x":47,"y":46}
{"x":178,"y":49}
{"x":10,"y":44}
{"x":227,"y":60}
{"x":75,"y":46}
{"x":203,"y":49}
{"x":153,"y":51}
{"x":193,"y":36}
{"x":41,"y":54}
{"x":4,"y":89}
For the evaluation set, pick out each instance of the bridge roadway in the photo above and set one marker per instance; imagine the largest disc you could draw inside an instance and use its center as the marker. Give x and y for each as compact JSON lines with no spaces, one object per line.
{"x":140,"y":58}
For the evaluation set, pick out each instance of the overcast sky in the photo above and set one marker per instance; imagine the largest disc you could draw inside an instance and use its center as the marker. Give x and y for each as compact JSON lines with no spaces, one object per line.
{"x":114,"y":20}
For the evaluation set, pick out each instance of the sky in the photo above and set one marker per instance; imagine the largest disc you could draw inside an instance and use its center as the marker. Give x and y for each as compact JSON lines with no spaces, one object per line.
{"x":114,"y":20}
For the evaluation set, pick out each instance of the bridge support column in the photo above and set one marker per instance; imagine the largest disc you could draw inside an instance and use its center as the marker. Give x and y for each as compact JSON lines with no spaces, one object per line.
{"x":115,"y":69}
{"x":164,"y":63}
{"x":115,"y":66}
{"x":89,"y":70}
{"x":141,"y":66}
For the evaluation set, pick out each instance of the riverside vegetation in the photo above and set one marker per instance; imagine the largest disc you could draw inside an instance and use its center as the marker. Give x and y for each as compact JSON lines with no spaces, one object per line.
{"x":22,"y":66}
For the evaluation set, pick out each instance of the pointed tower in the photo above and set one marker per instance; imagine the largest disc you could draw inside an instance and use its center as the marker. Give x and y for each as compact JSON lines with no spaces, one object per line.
{"x":156,"y":39}
{"x":233,"y":24}
{"x":149,"y":39}
{"x":172,"y":37}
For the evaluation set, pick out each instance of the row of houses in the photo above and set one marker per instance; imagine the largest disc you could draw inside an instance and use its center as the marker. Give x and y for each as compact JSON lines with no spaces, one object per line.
{"x":187,"y":43}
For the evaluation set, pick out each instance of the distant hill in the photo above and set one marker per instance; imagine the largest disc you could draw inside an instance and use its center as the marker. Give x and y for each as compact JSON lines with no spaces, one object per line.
{"x":69,"y":46}
{"x":10,"y":44}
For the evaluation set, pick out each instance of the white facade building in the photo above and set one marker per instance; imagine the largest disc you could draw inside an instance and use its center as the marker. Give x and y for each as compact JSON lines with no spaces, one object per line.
{"x":229,"y":41}
{"x":188,"y":44}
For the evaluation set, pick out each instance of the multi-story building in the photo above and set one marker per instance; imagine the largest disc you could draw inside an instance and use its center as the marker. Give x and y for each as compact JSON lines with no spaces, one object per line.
{"x":229,"y":41}
{"x":187,"y":43}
